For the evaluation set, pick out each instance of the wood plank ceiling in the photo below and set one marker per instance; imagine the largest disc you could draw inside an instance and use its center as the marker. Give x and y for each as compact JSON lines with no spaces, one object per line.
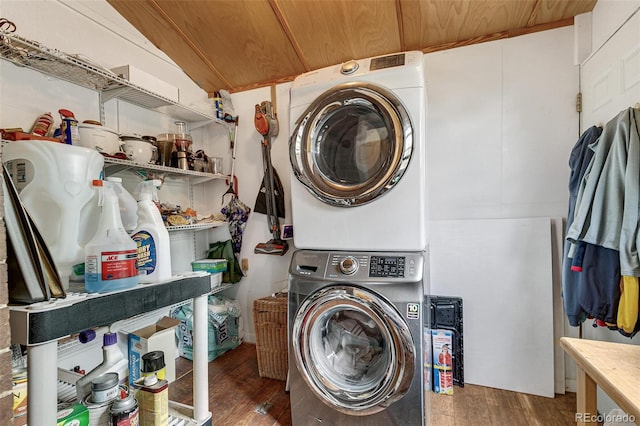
{"x":243,"y":44}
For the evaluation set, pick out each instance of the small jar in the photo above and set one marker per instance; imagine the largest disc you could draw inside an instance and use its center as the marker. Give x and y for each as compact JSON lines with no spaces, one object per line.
{"x":104,"y":388}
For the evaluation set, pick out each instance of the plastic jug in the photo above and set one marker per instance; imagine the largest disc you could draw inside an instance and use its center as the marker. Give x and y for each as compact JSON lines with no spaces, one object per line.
{"x":54,"y":183}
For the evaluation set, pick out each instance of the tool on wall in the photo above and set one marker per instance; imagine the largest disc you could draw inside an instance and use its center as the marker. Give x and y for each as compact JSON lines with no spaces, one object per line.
{"x":233,"y":183}
{"x":267,"y":125}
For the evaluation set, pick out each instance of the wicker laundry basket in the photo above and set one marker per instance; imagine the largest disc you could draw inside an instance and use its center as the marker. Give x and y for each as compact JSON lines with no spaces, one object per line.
{"x":270,"y":320}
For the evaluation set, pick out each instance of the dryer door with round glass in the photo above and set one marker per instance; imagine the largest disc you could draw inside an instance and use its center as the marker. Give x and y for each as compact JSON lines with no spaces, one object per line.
{"x":352,"y":144}
{"x":353,"y":349}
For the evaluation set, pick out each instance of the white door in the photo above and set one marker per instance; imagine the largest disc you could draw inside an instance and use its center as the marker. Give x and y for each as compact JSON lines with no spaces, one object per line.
{"x":610,"y":83}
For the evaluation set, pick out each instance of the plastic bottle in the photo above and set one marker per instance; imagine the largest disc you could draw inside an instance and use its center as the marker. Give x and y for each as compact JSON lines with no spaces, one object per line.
{"x":113,"y":360}
{"x":128,"y":204}
{"x":110,"y":256}
{"x":217,"y":103}
{"x":151,"y":236}
{"x":69,"y":127}
{"x":43,"y":124}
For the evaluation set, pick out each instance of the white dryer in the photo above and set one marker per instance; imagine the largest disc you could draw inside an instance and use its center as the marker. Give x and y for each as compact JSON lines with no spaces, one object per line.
{"x":357,"y":151}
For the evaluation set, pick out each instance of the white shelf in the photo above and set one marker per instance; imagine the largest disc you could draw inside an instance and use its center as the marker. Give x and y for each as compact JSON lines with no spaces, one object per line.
{"x":196,"y":226}
{"x":142,"y":168}
{"x":82,"y":72}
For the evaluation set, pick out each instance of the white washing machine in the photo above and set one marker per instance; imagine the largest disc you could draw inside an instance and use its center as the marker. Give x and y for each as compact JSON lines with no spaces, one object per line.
{"x":357,"y":151}
{"x":355,"y":338}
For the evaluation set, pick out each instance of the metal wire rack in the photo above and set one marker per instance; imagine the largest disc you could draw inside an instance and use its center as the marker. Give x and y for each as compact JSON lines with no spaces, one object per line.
{"x":82,"y":71}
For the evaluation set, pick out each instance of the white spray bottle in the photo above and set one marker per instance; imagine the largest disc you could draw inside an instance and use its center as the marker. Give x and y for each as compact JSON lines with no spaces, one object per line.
{"x":128,"y":204}
{"x":151,"y":236}
{"x":110,"y":256}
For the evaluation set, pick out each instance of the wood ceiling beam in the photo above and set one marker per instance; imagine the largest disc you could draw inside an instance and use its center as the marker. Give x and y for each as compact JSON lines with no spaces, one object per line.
{"x":400,"y":25}
{"x":287,"y":31}
{"x":188,"y":41}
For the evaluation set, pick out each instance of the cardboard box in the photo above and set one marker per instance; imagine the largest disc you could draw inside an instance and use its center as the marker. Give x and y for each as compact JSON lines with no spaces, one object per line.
{"x":160,"y":336}
{"x":19,"y":399}
{"x":147,"y":81}
{"x":442,"y":342}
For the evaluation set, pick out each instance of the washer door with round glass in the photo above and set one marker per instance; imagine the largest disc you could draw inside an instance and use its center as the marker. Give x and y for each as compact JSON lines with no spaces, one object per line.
{"x":353,"y":349}
{"x":352,"y":144}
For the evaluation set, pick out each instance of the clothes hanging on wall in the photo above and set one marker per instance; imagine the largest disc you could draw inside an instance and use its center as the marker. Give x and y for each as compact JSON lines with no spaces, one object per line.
{"x":606,"y":211}
{"x":601,"y":254}
{"x":579,"y":159}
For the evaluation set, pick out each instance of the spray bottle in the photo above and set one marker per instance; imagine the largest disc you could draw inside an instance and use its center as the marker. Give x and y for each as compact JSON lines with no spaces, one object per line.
{"x":128,"y":204}
{"x":151,"y":236}
{"x":110,"y":256}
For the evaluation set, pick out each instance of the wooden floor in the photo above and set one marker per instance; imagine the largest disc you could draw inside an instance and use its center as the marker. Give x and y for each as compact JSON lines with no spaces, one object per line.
{"x":239,"y":396}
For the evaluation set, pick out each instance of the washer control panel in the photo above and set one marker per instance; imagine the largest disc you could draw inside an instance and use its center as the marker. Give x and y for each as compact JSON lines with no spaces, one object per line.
{"x":387,"y":266}
{"x":392,"y":267}
{"x":396,"y":267}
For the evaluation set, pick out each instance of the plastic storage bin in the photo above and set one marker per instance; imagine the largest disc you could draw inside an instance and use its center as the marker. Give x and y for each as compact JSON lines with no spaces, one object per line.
{"x":211,"y":266}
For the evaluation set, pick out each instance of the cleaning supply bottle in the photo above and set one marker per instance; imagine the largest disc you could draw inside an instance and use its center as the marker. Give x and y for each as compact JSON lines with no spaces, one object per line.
{"x":128,"y":204}
{"x":69,"y":127}
{"x":110,"y":256}
{"x":113,"y":360}
{"x":151,"y":236}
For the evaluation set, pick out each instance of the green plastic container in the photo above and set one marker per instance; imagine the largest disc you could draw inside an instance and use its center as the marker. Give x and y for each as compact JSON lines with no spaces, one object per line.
{"x":211,"y":266}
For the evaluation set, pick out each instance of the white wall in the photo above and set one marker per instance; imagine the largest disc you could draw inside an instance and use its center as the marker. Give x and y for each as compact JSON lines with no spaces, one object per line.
{"x":501,"y":124}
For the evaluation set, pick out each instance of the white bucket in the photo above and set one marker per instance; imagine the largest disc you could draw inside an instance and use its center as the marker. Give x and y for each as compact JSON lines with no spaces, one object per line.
{"x":54,"y":183}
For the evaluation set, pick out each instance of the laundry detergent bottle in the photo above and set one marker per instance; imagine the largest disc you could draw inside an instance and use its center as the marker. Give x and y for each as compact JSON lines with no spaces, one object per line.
{"x":151,"y":237}
{"x":110,"y":256}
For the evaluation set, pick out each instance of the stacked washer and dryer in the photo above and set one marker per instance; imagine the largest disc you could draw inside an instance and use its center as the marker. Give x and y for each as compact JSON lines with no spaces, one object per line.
{"x":358,"y":278}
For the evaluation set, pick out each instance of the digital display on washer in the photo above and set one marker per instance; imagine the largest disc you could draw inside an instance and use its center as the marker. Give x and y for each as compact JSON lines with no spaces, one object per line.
{"x":387,"y":62}
{"x":386,"y":266}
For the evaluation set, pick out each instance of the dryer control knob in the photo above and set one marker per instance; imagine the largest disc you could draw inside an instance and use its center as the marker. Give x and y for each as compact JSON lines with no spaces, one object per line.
{"x":349,"y":265}
{"x":349,"y":67}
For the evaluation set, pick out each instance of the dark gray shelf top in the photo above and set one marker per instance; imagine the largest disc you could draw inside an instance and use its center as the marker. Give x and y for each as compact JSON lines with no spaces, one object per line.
{"x":47,"y":321}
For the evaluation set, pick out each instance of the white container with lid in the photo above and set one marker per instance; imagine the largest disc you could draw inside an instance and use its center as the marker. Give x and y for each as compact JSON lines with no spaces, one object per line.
{"x":100,"y":138}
